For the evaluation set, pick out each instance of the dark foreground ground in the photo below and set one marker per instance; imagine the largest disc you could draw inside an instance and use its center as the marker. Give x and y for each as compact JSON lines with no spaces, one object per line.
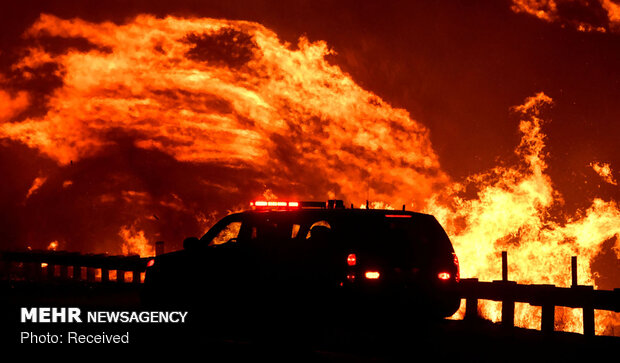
{"x":350,"y":335}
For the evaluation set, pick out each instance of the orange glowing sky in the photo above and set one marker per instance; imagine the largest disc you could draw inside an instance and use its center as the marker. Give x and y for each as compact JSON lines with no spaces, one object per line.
{"x":125,"y":121}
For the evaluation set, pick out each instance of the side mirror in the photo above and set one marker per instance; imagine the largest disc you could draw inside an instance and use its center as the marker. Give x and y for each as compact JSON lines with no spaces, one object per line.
{"x":190,"y":243}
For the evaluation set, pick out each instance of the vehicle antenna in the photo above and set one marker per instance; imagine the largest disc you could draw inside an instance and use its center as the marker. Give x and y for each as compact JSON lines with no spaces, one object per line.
{"x":367,"y":190}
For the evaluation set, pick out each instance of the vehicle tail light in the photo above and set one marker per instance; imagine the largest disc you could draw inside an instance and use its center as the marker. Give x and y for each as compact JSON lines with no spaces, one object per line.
{"x":351,"y":259}
{"x":372,"y":275}
{"x":151,"y":263}
{"x":444,"y":275}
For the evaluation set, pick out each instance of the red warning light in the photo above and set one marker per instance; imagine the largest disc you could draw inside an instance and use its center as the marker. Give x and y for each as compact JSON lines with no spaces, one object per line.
{"x":444,"y":276}
{"x":372,"y":275}
{"x":351,"y":259}
{"x":273,"y":204}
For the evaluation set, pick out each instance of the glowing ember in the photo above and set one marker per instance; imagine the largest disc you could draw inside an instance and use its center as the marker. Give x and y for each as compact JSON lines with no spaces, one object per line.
{"x":604,"y":170}
{"x":36,"y":184}
{"x":53,"y":246}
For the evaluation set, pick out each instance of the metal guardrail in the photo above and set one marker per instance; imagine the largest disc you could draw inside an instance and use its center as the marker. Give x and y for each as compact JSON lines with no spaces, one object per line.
{"x":545,"y":296}
{"x":67,"y":266}
{"x":61,"y":265}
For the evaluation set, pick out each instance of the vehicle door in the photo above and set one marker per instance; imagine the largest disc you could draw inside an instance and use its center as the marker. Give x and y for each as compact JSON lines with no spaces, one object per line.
{"x":271,"y":244}
{"x":222,"y":261}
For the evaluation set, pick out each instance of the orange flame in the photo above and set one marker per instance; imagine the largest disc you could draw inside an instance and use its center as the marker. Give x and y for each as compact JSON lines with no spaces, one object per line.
{"x":604,"y":170}
{"x":53,"y":246}
{"x":12,"y":105}
{"x":36,"y":184}
{"x":135,"y":242}
{"x":512,"y":212}
{"x":595,"y":16}
{"x":208,"y":90}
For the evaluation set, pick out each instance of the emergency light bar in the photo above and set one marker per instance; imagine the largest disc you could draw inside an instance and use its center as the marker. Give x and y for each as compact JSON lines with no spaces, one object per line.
{"x":330,"y":204}
{"x":264,"y":203}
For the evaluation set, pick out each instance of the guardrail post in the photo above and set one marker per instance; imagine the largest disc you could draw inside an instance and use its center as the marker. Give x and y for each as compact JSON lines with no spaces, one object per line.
{"x":90,"y":274}
{"x":51,"y":270}
{"x":77,"y":273}
{"x":31,"y":272}
{"x":508,"y":304}
{"x":588,"y":320}
{"x":38,"y":271}
{"x":508,"y":313}
{"x":471,"y":308}
{"x":547,"y":320}
{"x":471,"y":302}
{"x":105,"y":275}
{"x":573,"y":265}
{"x":120,"y":276}
{"x":136,"y":277}
{"x":587,"y":308}
{"x":64,"y":272}
{"x":504,"y":266}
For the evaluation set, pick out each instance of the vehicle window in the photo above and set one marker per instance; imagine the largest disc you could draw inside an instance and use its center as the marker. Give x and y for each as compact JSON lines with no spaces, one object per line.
{"x":273,"y":229}
{"x":317,"y":224}
{"x":402,"y":242}
{"x":228,"y":234}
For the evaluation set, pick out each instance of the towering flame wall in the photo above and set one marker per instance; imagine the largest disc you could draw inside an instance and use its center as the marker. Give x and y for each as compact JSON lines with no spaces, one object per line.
{"x":215,"y":96}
